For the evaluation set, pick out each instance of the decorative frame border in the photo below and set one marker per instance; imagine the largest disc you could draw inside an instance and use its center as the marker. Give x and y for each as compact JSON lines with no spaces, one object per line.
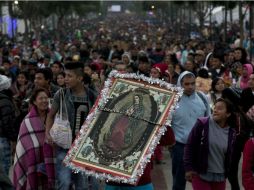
{"x":101,"y":102}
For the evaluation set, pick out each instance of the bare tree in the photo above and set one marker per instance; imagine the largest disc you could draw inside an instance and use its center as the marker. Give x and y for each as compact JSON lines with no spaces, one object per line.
{"x":241,"y":19}
{"x":202,"y":11}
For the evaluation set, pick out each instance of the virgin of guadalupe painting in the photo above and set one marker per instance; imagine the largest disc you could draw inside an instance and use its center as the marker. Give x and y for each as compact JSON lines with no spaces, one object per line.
{"x":125,"y":129}
{"x":122,"y":129}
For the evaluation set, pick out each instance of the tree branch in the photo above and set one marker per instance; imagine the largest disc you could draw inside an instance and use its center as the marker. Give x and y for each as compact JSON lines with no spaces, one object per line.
{"x":245,"y":12}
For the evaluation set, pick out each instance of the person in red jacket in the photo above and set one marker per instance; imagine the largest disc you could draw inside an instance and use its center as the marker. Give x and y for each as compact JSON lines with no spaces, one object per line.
{"x":158,"y":71}
{"x":248,"y":165}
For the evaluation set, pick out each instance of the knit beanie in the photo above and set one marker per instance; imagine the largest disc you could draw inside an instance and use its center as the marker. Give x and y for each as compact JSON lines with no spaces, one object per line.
{"x":5,"y":82}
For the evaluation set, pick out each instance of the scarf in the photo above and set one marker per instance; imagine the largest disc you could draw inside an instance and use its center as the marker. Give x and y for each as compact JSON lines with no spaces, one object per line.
{"x":244,"y":80}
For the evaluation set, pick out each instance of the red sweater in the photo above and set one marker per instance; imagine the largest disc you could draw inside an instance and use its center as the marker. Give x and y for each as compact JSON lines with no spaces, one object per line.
{"x":248,"y":164}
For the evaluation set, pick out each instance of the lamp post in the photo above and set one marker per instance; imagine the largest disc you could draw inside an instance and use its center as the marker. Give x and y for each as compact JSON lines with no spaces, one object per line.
{"x":250,"y":28}
{"x":152,"y":10}
{"x":15,"y":3}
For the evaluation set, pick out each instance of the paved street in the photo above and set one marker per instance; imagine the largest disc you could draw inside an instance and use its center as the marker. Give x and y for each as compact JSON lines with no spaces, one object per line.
{"x":162,"y":177}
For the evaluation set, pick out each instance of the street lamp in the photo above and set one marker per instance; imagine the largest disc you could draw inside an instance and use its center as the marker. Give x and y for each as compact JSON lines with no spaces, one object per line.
{"x":14,"y":7}
{"x":152,"y":7}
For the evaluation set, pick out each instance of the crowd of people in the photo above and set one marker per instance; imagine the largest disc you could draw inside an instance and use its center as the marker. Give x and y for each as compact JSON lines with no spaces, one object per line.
{"x":212,"y":123}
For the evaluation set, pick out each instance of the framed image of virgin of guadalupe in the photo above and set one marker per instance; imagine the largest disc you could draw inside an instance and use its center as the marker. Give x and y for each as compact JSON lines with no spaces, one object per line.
{"x":124,"y":127}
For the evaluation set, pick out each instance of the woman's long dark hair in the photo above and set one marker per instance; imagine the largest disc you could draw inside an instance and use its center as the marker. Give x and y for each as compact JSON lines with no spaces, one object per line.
{"x":26,"y":75}
{"x":231,"y":121}
{"x":243,"y":59}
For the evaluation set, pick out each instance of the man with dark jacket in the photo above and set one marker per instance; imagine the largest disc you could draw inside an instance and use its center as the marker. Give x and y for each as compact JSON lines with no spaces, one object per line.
{"x":43,"y":79}
{"x":7,"y":119}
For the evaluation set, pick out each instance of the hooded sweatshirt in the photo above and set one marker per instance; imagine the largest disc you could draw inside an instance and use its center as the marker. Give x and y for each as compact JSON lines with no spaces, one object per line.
{"x":186,"y":113}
